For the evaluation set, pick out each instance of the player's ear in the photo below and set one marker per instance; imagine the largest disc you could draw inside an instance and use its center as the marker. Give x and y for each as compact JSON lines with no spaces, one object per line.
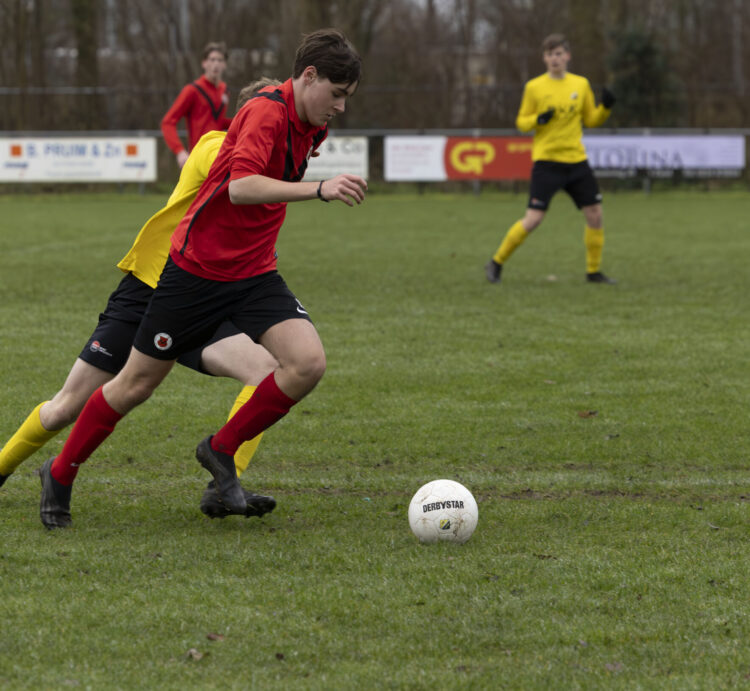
{"x":310,"y":73}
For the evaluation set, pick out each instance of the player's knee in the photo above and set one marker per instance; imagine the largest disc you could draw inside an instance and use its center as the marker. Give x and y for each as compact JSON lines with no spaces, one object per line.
{"x":139,"y":392}
{"x":320,"y":367}
{"x":126,"y":392}
{"x":532,"y":219}
{"x":60,"y":412}
{"x":312,"y":368}
{"x":593,"y":216}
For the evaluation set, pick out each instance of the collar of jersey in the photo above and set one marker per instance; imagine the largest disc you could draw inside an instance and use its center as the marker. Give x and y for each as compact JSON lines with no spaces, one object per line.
{"x":206,"y":84}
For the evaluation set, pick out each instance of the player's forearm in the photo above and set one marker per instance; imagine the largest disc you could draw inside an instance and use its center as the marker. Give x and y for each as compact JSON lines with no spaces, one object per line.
{"x":596,"y":117}
{"x":169,"y":132}
{"x":176,"y":112}
{"x":259,"y":189}
{"x":525,"y":123}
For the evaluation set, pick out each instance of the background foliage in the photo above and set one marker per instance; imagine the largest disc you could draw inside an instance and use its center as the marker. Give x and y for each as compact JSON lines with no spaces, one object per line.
{"x":106,"y":64}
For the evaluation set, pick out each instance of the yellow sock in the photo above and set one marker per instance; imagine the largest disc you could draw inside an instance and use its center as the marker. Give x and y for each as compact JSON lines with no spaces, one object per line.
{"x":247,"y":450}
{"x":29,"y":437}
{"x":593,"y":238}
{"x":513,"y":240}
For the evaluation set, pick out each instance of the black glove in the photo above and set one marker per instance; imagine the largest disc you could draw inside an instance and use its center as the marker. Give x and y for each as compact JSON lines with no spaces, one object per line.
{"x":545,"y":117}
{"x":608,"y":98}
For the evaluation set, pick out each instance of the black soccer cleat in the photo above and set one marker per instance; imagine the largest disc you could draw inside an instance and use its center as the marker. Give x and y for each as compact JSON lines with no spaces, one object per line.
{"x":599,"y":277}
{"x":257,"y":504}
{"x":3,"y":478}
{"x":493,"y":271}
{"x":54,"y":507}
{"x":221,"y":466}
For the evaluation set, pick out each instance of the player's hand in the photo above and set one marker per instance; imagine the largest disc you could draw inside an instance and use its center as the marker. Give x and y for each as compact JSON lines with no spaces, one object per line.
{"x":346,"y":188}
{"x":545,"y":117}
{"x":182,"y":157}
{"x":608,"y":98}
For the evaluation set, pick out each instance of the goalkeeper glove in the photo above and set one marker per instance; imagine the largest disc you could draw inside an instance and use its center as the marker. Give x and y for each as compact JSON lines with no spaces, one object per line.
{"x":608,"y":98}
{"x":545,"y":117}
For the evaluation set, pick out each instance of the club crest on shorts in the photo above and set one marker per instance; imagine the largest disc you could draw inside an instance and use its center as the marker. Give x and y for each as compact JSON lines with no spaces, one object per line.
{"x":97,"y":347}
{"x":163,"y":341}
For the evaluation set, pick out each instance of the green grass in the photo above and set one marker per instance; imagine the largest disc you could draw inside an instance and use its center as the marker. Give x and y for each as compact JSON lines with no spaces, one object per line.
{"x":602,"y":429}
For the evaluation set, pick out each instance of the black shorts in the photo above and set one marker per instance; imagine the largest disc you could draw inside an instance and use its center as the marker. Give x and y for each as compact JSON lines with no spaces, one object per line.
{"x":577,"y":179}
{"x":192,"y":358}
{"x":186,"y":310}
{"x":109,"y":346}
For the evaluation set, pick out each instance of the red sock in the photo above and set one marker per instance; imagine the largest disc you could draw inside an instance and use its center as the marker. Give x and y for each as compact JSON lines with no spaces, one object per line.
{"x":95,"y":423}
{"x":267,"y":405}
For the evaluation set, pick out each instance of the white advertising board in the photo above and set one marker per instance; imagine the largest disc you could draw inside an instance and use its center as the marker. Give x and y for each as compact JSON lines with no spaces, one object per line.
{"x":666,"y":152}
{"x":78,"y":159}
{"x":339,"y":155}
{"x":415,"y":159}
{"x":423,"y":158}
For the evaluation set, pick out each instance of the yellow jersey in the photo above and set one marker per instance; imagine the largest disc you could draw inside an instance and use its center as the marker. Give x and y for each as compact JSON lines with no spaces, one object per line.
{"x":147,"y":256}
{"x":561,"y":139}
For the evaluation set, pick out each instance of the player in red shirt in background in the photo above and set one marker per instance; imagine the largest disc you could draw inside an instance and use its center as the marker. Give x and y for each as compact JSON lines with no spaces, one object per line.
{"x":222,"y":266}
{"x":203,"y":104}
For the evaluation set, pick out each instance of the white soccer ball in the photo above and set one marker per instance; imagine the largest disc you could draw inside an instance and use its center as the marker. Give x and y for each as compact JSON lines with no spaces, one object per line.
{"x":443,"y":510}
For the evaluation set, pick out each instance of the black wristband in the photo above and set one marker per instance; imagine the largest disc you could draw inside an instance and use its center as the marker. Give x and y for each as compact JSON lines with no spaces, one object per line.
{"x":320,"y":195}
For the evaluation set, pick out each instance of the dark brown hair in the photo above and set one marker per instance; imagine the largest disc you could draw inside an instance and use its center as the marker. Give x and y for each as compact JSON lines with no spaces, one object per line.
{"x":331,"y":54}
{"x":555,"y":41}
{"x":211,"y":47}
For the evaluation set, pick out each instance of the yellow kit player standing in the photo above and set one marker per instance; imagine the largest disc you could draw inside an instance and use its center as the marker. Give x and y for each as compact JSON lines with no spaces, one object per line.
{"x":557,"y":105}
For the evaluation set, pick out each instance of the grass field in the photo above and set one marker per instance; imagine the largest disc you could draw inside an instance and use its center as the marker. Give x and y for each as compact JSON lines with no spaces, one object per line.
{"x":602,"y":429}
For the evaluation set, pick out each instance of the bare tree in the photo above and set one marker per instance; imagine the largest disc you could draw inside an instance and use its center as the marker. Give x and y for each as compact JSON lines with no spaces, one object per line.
{"x":81,"y":64}
{"x":86,"y":34}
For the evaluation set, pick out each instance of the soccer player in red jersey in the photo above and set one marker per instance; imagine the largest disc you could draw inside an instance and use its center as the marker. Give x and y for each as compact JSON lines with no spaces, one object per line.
{"x":230,"y":353}
{"x":203,"y":104}
{"x":222,"y":266}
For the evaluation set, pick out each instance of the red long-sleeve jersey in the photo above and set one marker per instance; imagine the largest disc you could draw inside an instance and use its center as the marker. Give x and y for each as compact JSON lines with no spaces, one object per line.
{"x":222,"y":241}
{"x":203,"y":105}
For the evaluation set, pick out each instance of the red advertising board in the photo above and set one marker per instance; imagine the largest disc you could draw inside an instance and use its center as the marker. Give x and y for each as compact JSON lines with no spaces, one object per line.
{"x":488,"y":158}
